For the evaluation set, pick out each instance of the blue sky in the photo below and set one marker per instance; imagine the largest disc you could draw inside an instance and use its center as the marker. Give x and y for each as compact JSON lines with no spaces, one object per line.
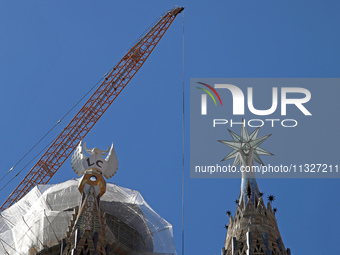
{"x":52,"y":53}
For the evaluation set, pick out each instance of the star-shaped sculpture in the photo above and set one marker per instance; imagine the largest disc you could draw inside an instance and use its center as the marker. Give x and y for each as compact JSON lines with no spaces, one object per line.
{"x":244,"y":143}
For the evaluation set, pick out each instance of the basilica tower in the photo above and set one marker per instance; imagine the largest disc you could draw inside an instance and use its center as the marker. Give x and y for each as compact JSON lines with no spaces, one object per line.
{"x":253,"y":230}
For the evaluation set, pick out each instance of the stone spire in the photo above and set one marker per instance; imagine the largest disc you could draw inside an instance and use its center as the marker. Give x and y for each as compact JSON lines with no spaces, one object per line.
{"x":87,"y":231}
{"x":253,"y":230}
{"x":87,"y":234}
{"x":246,"y":150}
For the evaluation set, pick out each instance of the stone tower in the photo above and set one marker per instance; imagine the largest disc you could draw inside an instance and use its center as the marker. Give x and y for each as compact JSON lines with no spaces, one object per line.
{"x":253,"y":230}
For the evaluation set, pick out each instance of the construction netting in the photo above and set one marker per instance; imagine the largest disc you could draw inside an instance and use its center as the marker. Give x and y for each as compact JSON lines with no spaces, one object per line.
{"x":41,"y":219}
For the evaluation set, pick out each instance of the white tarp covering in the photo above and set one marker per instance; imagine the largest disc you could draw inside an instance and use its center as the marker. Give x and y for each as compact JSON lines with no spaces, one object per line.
{"x":41,"y":218}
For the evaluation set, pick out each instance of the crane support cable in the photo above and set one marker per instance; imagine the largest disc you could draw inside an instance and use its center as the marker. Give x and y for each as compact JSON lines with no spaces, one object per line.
{"x":93,"y":109}
{"x":43,"y":137}
{"x":183,"y":140}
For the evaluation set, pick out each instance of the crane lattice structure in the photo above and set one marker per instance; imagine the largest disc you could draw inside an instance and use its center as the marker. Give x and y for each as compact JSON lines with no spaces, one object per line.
{"x":113,"y":84}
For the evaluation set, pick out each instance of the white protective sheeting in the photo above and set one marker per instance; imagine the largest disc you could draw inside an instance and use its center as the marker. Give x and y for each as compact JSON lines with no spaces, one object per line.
{"x":41,"y":218}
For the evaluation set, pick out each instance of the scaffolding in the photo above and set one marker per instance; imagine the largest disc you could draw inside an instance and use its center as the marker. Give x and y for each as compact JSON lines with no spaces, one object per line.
{"x":41,"y":219}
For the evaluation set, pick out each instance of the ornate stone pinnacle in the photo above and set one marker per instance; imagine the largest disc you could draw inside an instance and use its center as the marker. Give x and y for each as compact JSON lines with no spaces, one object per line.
{"x":95,"y":161}
{"x":246,"y":147}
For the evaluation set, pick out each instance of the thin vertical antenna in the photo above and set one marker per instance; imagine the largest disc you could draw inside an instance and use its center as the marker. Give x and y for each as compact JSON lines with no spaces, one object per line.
{"x":183,"y":150}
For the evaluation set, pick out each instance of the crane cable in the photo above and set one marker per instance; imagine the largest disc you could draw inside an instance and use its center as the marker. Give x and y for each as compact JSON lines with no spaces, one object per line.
{"x":183,"y":147}
{"x":44,"y":136}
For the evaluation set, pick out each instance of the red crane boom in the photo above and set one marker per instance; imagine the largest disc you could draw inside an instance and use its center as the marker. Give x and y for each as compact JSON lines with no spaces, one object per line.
{"x":114,"y":82}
